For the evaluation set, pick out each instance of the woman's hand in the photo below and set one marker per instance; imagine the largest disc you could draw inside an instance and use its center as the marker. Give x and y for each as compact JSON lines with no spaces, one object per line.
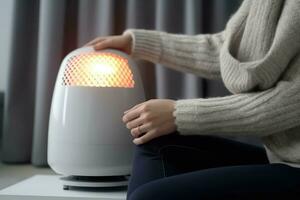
{"x":120,"y":42}
{"x":150,"y":119}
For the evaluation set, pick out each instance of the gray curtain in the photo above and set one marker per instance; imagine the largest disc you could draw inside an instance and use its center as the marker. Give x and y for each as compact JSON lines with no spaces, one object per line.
{"x":45,"y":31}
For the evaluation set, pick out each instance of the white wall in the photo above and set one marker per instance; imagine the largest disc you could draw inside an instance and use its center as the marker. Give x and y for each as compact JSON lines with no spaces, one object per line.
{"x":6,"y":22}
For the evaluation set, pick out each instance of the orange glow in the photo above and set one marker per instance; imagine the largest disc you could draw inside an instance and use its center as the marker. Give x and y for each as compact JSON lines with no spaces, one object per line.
{"x":96,"y":69}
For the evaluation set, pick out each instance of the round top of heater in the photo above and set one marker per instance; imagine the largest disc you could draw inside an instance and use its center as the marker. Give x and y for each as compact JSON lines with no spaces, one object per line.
{"x":97,"y":69}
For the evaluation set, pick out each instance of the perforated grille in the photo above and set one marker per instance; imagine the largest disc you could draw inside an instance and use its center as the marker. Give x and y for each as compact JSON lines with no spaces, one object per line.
{"x":97,"y":69}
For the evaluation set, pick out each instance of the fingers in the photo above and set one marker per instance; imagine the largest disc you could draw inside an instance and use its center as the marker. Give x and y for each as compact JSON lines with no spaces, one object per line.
{"x":134,"y":112}
{"x":145,"y":138}
{"x":139,"y":130}
{"x":94,"y":41}
{"x":136,"y":132}
{"x":153,"y":132}
{"x":108,"y":43}
{"x":120,"y":42}
{"x":131,"y":115}
{"x":136,"y":106}
{"x":115,"y":42}
{"x":134,"y":123}
{"x":102,"y":43}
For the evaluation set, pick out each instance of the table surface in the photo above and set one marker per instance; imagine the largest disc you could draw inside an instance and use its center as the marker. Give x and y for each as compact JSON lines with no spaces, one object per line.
{"x":49,"y":187}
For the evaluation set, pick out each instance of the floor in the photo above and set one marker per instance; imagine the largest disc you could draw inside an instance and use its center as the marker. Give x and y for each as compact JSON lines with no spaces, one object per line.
{"x":11,"y":174}
{"x":49,"y":187}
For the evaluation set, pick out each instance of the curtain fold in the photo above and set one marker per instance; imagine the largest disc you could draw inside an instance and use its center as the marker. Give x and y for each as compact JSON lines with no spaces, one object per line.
{"x":20,"y":92}
{"x":45,"y":31}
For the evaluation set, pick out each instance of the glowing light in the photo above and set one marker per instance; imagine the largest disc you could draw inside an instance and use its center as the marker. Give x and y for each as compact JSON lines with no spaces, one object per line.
{"x":102,"y":68}
{"x":96,"y":69}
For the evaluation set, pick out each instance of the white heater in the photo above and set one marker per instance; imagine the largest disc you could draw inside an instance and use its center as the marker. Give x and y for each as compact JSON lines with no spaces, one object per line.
{"x":88,"y":143}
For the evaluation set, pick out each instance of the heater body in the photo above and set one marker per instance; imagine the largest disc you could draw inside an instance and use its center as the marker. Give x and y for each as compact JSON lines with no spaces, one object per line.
{"x":86,"y":134}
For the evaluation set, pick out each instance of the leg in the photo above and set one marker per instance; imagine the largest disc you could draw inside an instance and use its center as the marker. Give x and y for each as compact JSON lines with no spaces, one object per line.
{"x":175,"y":154}
{"x":247,"y":182}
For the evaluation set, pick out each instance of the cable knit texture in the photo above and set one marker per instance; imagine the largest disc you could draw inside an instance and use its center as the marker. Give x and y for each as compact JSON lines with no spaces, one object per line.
{"x":258,"y":58}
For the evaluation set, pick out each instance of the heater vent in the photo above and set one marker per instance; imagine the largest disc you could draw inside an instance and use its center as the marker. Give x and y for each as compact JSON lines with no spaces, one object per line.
{"x":98,"y":69}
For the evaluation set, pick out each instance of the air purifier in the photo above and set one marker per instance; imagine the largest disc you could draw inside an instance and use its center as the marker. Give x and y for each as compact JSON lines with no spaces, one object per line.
{"x":88,"y":143}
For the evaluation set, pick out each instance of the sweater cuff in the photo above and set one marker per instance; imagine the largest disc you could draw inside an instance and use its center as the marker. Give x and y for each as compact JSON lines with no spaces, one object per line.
{"x":146,"y":44}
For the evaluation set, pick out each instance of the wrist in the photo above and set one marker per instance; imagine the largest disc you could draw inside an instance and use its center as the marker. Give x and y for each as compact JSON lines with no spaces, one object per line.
{"x":146,"y":44}
{"x":129,"y":40}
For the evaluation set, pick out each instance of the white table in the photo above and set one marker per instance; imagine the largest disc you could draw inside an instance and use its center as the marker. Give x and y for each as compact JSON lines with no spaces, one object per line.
{"x":49,"y":187}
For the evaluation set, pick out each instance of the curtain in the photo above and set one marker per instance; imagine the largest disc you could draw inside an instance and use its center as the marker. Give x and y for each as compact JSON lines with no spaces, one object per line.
{"x":45,"y":31}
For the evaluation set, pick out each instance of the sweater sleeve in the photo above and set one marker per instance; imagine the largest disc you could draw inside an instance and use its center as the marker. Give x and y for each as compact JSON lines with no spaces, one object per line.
{"x":247,"y":114}
{"x":197,"y":54}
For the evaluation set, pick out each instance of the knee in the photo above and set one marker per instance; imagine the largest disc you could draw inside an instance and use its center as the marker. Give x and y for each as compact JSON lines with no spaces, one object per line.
{"x":145,"y":192}
{"x":137,"y":195}
{"x":156,"y":144}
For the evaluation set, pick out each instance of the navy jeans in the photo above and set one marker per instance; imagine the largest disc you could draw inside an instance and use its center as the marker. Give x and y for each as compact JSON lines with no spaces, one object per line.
{"x":204,"y":167}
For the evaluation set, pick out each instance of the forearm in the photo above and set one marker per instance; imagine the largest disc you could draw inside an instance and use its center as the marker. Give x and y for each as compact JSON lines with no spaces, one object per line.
{"x":197,"y":54}
{"x":249,"y":114}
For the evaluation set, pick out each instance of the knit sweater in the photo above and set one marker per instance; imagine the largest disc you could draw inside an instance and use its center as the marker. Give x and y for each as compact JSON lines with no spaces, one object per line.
{"x":257,"y":57}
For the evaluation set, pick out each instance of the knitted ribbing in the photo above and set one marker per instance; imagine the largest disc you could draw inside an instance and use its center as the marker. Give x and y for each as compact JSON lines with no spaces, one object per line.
{"x":258,"y":58}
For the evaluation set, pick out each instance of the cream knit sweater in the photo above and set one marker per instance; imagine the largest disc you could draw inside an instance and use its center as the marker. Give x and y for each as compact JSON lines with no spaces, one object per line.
{"x":258,"y":58}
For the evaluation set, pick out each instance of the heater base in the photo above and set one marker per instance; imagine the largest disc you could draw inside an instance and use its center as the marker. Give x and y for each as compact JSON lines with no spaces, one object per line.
{"x":94,"y":181}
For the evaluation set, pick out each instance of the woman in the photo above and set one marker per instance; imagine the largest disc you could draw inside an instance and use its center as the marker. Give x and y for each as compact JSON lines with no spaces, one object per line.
{"x":178,"y":155}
